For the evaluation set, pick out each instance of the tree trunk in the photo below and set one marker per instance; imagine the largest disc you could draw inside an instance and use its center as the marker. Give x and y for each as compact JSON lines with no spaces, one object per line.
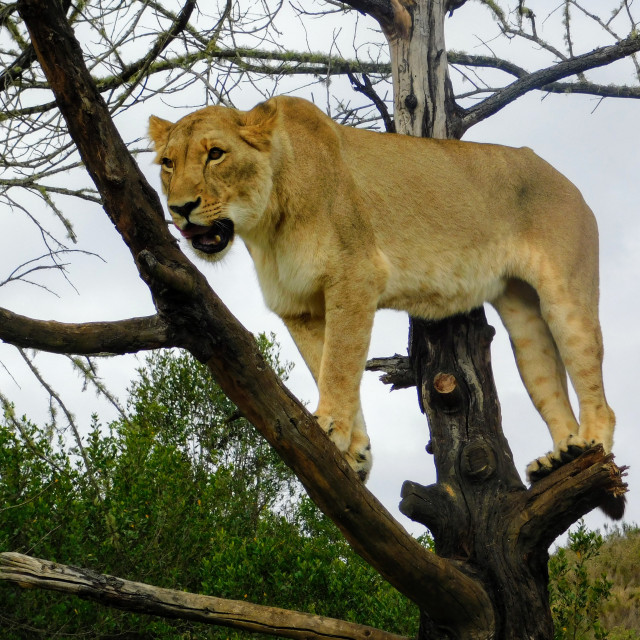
{"x":479,"y":512}
{"x":473,"y":511}
{"x":469,"y":511}
{"x":424,"y":105}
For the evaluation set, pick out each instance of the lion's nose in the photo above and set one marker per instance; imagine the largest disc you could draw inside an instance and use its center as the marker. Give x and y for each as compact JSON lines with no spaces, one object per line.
{"x":185,"y":209}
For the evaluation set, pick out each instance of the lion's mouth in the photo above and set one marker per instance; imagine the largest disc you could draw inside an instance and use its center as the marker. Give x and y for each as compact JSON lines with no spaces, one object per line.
{"x":211,"y":239}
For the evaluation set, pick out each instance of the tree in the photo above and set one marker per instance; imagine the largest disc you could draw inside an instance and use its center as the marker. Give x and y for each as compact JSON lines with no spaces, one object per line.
{"x":457,"y":601}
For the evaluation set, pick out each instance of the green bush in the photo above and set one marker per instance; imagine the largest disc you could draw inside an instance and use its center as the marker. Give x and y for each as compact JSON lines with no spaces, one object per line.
{"x":576,"y":598}
{"x":181,"y":494}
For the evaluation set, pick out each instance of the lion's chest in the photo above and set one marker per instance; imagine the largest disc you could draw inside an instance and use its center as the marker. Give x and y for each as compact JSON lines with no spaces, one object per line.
{"x":290,"y":283}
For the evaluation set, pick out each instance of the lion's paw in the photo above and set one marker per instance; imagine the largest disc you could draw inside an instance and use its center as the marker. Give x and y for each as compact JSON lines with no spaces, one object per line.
{"x":354,"y":445}
{"x":338,"y":434}
{"x":566,"y":450}
{"x":360,"y":459}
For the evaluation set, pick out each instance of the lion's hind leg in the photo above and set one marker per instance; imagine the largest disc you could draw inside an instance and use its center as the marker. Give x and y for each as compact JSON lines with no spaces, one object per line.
{"x":571,"y":312}
{"x":542,"y":371}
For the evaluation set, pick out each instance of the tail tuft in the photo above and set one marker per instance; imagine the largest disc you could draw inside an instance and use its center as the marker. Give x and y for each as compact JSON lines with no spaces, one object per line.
{"x":614,"y":506}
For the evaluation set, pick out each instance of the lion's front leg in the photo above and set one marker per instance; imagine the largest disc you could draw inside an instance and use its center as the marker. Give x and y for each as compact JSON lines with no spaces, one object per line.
{"x":348,"y":322}
{"x":344,"y":425}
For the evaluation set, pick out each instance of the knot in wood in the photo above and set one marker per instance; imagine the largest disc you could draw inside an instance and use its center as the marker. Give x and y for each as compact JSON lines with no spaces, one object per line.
{"x":445,"y":383}
{"x":411,"y":102}
{"x":448,"y":394}
{"x":478,"y":461}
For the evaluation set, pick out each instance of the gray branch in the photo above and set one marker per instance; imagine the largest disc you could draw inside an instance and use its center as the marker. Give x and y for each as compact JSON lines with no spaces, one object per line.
{"x":539,"y":79}
{"x":396,"y":370}
{"x":136,"y":596}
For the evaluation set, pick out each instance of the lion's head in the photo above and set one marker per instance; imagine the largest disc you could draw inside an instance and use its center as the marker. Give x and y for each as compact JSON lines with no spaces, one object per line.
{"x":216,"y":172}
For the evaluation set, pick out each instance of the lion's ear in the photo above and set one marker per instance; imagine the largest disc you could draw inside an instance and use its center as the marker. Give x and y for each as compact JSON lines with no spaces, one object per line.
{"x":159,"y":131}
{"x":259,"y":124}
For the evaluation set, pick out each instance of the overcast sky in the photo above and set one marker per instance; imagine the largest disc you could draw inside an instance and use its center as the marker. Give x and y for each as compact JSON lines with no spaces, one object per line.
{"x":594,"y":143}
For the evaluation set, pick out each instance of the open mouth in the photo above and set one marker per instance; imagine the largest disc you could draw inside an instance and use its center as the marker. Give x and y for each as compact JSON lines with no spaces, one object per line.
{"x":211,"y":239}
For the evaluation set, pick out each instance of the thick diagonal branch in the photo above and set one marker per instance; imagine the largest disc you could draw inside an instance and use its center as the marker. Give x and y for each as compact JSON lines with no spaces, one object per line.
{"x":201,"y":323}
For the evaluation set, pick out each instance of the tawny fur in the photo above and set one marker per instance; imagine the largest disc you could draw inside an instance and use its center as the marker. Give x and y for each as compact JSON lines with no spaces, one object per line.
{"x":341,"y":222}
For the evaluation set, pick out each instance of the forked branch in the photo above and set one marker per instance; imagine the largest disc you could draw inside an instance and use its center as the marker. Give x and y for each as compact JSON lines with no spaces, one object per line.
{"x":538,"y":79}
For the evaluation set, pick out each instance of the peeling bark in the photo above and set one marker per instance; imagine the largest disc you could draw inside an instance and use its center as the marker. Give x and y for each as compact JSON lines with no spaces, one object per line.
{"x":169,"y":603}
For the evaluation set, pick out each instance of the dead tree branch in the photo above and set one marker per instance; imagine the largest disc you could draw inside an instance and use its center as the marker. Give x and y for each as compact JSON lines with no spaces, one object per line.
{"x":397,"y":371}
{"x":538,"y":79}
{"x":89,"y":338}
{"x":169,"y":603}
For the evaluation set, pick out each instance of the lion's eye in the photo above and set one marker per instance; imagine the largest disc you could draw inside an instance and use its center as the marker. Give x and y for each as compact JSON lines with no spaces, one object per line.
{"x":215,"y":153}
{"x":167,"y":164}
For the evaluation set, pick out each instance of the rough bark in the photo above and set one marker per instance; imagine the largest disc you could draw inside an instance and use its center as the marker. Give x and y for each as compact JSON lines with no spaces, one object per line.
{"x":397,"y":371}
{"x":479,"y":512}
{"x":423,"y":96}
{"x":169,"y":603}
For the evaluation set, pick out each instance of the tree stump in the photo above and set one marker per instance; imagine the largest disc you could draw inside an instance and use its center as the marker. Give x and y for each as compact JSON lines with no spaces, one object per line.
{"x":479,"y":512}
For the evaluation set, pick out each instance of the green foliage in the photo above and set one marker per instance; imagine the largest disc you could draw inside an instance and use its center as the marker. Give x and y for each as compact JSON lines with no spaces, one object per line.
{"x":578,"y":576}
{"x":182,"y":494}
{"x":577,"y":598}
{"x":619,"y":558}
{"x":624,"y":634}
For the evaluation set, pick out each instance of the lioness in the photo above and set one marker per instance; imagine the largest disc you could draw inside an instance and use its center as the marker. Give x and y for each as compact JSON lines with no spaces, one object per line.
{"x":342,"y":221}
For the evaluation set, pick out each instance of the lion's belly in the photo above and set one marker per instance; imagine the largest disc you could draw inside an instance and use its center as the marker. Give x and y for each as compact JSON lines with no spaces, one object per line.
{"x":292,"y":285}
{"x":435,"y":304}
{"x":441,"y":291}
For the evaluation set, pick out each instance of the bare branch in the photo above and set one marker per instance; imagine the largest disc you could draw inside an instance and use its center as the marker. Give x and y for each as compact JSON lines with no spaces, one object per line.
{"x":138,"y":71}
{"x":381,"y":10}
{"x":397,"y":369}
{"x":137,"y":596}
{"x":9,"y":415}
{"x":55,"y":397}
{"x":366,"y":88}
{"x":89,"y":338}
{"x":88,"y":370}
{"x":539,"y":79}
{"x":583,"y":87}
